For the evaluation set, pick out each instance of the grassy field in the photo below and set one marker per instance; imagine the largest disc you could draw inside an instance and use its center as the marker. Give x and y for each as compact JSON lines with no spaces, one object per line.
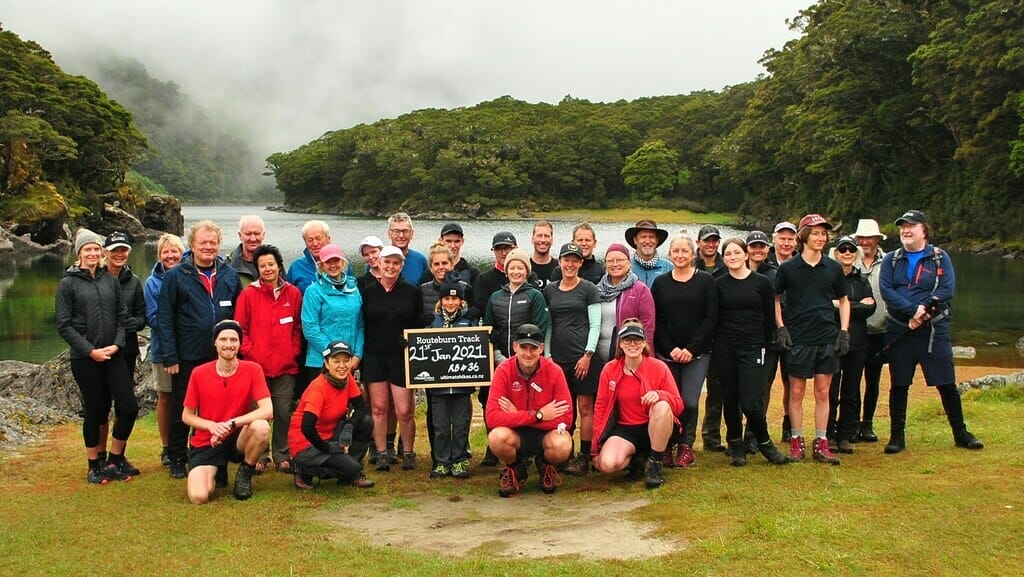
{"x":933,"y":510}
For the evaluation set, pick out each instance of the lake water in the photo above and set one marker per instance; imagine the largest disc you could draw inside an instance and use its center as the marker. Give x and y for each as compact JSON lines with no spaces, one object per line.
{"x":988,"y":306}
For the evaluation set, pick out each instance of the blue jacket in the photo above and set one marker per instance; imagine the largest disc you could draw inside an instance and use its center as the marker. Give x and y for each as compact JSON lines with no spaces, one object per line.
{"x":332,"y":312}
{"x":151,"y":292}
{"x":463,"y":320}
{"x":902,"y":296}
{"x":186,"y":312}
{"x":646,"y":275}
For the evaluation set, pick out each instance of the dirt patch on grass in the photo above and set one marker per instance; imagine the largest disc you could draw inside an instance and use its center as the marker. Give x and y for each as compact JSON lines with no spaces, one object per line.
{"x":526,"y":526}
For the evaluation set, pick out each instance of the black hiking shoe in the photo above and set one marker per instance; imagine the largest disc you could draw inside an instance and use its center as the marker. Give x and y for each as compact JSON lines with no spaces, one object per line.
{"x":653,"y":475}
{"x":965,"y":440}
{"x":243,"y":481}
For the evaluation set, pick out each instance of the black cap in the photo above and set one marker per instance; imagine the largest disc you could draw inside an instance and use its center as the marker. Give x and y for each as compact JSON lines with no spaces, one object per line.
{"x":116,"y":239}
{"x":504,"y":239}
{"x":452,"y":227}
{"x":757,"y":237}
{"x":451,"y":287}
{"x":337,"y":348}
{"x":846,"y":240}
{"x":227,"y":324}
{"x":529,"y":335}
{"x":708,"y":230}
{"x":570,"y":248}
{"x":632,"y":330}
{"x":913,"y":217}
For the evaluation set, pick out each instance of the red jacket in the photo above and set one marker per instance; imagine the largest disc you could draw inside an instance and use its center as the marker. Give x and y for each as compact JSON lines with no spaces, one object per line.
{"x":653,"y":374}
{"x":271,"y":328}
{"x":547,"y":384}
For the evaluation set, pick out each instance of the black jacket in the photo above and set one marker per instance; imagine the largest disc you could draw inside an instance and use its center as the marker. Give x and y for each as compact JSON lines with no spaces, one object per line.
{"x":858,"y":287}
{"x":90,"y":312}
{"x":135,"y":306}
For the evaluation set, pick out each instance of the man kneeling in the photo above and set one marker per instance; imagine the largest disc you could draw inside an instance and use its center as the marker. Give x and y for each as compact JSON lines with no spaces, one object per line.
{"x":223,"y":392}
{"x":331,"y":428}
{"x":529,"y":409}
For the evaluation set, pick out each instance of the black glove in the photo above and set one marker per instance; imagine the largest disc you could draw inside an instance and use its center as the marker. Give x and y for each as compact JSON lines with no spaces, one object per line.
{"x":345,"y":437}
{"x":783,"y":341}
{"x":843,"y":343}
{"x":334,"y":448}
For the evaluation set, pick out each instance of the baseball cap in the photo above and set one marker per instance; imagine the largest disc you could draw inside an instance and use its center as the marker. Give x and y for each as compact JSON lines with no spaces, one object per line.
{"x":814,"y":220}
{"x":371,"y":240}
{"x":116,"y":239}
{"x":757,"y":237}
{"x":391,"y":251}
{"x":529,"y":335}
{"x":846,"y":240}
{"x":785,"y":225}
{"x":337,"y":348}
{"x":452,"y":228}
{"x":570,"y":248}
{"x":632,"y":330}
{"x":913,"y":217}
{"x":503,"y":239}
{"x":708,"y":230}
{"x":332,"y":251}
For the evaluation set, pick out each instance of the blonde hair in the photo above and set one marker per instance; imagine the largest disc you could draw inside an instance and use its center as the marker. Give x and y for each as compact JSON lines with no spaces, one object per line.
{"x":166,"y":239}
{"x":632,"y":321}
{"x":205,"y":224}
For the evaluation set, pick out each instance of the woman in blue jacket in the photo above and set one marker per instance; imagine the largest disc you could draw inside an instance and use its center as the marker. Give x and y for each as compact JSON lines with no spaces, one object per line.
{"x":169,"y":250}
{"x":332,"y":310}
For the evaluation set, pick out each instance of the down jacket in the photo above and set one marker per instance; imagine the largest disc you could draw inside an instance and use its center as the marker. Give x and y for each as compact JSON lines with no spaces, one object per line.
{"x":89,"y":310}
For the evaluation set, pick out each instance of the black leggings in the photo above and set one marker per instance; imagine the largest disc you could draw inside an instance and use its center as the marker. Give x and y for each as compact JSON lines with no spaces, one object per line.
{"x":873,"y":364}
{"x":741,"y":374}
{"x":844,"y":397}
{"x":99,"y":383}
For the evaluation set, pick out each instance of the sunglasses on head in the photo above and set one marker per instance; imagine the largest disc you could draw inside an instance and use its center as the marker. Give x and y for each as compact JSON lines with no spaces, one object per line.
{"x":846,"y":248}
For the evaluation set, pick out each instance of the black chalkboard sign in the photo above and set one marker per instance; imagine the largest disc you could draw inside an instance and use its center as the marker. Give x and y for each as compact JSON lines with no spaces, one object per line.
{"x":456,"y":357}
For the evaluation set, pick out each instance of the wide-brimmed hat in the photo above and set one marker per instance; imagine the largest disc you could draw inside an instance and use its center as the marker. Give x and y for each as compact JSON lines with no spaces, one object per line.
{"x":645,"y":224}
{"x":867,"y":227}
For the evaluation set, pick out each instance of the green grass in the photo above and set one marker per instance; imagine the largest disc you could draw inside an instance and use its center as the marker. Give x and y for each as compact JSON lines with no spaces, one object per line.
{"x":933,"y":510}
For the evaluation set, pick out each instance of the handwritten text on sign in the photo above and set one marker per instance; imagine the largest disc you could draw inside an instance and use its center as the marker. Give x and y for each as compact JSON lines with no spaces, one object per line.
{"x":457,"y":357}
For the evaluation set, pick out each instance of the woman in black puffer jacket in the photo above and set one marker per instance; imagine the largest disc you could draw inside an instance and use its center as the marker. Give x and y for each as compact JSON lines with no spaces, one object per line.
{"x":90,"y":314}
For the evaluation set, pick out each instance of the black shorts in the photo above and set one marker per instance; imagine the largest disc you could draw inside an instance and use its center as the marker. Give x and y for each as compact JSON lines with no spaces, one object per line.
{"x":635,"y":434}
{"x":531,"y":441}
{"x":217,"y":456}
{"x":911,"y":350}
{"x":379,"y":368}
{"x":587,"y":385}
{"x":805,"y":361}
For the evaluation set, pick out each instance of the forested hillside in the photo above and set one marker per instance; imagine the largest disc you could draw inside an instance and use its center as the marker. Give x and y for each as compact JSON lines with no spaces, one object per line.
{"x":876,"y":107}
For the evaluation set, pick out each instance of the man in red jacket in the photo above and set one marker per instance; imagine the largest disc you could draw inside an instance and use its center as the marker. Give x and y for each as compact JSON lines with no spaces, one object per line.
{"x":529,"y":410}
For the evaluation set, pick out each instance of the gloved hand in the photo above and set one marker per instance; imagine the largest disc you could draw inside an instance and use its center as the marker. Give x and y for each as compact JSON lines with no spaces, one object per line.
{"x":842,"y":343}
{"x":335,"y":448}
{"x":345,"y":437}
{"x":783,"y":341}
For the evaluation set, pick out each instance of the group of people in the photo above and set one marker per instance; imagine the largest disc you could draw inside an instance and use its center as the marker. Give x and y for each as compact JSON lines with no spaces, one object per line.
{"x":259,"y":362}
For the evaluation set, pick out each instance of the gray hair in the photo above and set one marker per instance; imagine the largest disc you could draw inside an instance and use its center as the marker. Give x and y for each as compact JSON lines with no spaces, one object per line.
{"x":309,"y":226}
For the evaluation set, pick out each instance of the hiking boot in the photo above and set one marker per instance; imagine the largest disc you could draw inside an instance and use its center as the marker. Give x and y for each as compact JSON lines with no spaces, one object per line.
{"x":737,"y":453}
{"x":684,"y":456}
{"x":774,"y":456}
{"x":578,"y":465}
{"x":165,"y":459}
{"x":666,"y":459}
{"x":383,"y":462}
{"x":489,"y":460}
{"x":96,"y":477}
{"x":177,"y":469}
{"x":750,"y":445}
{"x":360,"y":482}
{"x":845,"y":447}
{"x":439,"y":471}
{"x":460,"y":470}
{"x":714,"y":447}
{"x":653,"y":475}
{"x":304,"y":482}
{"x":220,"y":480}
{"x":131,"y":469}
{"x":797,"y":448}
{"x":833,"y":445}
{"x":822,"y":452}
{"x":408,"y":461}
{"x":243,"y":481}
{"x":549,"y":477}
{"x":867,"y":433}
{"x":511,"y":479}
{"x":393,"y":456}
{"x":116,"y":471}
{"x":897,"y":443}
{"x":635,"y":471}
{"x":964,"y":439}
{"x":787,"y":430}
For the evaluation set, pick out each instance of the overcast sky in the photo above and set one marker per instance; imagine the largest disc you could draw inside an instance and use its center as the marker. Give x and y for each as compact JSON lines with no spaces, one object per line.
{"x":292,"y":70}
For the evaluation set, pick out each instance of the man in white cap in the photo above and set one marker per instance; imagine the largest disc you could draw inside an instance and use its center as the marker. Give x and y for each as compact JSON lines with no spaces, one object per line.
{"x":868,"y":237}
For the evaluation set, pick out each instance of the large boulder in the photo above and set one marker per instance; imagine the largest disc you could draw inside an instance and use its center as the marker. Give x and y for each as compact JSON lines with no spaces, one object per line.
{"x":115,"y":218}
{"x":163,"y":212}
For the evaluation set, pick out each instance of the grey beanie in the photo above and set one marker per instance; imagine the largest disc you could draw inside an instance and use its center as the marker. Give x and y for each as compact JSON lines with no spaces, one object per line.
{"x":86,"y":236}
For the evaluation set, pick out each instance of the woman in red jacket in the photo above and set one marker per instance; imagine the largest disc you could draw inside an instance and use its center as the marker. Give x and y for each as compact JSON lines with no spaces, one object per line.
{"x":269,"y":311}
{"x":636,"y":409}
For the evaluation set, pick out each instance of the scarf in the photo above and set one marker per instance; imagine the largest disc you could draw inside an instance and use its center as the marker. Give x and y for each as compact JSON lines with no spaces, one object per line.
{"x":609,"y":292}
{"x":647,"y":264}
{"x":339,"y":384}
{"x":450,"y":318}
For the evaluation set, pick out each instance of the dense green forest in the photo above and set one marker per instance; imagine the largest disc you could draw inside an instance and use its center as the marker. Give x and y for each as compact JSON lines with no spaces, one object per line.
{"x":65,"y":148}
{"x":878,"y":105}
{"x":194,"y":155}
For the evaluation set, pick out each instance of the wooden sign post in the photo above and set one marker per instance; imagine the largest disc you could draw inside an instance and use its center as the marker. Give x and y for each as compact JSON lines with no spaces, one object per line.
{"x":456,"y":357}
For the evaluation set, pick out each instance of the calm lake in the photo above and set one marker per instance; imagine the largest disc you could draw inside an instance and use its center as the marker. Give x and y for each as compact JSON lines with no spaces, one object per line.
{"x":988,"y":305}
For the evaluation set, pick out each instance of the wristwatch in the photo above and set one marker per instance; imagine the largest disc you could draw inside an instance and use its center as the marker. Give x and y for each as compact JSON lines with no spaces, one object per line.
{"x":539,"y":415}
{"x":588,"y":354}
{"x":232,"y":424}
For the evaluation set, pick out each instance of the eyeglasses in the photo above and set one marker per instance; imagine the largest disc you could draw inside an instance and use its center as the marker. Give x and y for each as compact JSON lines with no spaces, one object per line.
{"x":616,"y":261}
{"x":401,"y":231}
{"x":846,"y":249}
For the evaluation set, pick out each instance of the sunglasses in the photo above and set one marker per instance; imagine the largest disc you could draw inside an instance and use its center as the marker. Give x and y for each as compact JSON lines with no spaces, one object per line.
{"x":846,"y":248}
